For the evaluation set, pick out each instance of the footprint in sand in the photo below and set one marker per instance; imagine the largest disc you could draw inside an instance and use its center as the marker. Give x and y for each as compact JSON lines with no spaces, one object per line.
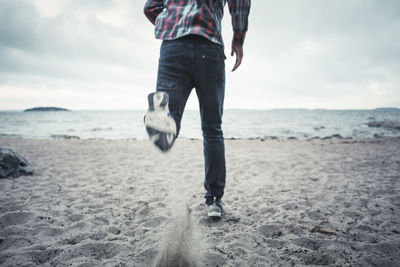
{"x":114,"y":230}
{"x":318,"y":258}
{"x":98,"y":251}
{"x":14,"y":243}
{"x":271,"y":230}
{"x":15,"y":218}
{"x":43,"y":256}
{"x":75,"y":217}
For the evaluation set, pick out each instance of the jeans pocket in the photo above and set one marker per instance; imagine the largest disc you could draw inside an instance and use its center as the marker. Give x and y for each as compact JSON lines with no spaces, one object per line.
{"x":214,"y":53}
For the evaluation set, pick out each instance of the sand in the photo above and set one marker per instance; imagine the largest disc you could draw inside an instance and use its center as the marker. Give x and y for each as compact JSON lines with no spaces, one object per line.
{"x":123,"y":203}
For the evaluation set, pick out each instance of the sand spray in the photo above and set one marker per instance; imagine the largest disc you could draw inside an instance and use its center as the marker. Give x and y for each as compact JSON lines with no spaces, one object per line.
{"x":182,"y":244}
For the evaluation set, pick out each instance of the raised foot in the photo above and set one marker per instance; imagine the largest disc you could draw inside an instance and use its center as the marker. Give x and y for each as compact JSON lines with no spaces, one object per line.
{"x":160,"y":126}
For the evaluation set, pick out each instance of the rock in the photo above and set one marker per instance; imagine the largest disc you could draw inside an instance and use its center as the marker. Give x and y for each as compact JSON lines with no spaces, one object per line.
{"x":12,"y":164}
{"x":385,"y":124}
{"x":46,"y":109}
{"x":313,"y":138}
{"x":63,"y":136}
{"x":319,"y":128}
{"x":337,"y":136}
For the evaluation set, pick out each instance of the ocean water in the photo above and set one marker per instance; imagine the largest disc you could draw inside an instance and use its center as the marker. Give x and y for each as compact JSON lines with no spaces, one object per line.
{"x":279,"y":123}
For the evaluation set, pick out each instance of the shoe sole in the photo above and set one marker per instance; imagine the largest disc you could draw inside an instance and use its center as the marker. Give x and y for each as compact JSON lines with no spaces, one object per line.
{"x":159,"y":121}
{"x":214,"y":214}
{"x":157,"y":117}
{"x":160,"y":126}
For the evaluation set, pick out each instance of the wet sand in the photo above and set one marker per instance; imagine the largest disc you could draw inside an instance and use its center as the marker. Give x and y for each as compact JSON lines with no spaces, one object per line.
{"x":123,"y":203}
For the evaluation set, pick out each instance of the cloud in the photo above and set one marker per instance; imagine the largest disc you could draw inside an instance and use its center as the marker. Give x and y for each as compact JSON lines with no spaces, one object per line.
{"x":326,"y":51}
{"x":78,"y":47}
{"x":312,"y":54}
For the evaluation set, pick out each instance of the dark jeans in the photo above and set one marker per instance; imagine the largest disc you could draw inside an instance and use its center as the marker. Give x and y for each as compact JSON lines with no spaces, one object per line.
{"x":195,"y":62}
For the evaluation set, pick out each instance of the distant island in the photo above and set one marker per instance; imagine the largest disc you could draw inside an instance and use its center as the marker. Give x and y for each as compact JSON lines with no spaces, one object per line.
{"x":46,"y":109}
{"x":387,"y":109}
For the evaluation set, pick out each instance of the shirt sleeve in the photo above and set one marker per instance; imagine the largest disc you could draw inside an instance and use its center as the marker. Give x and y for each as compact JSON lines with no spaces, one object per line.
{"x":152,"y":9}
{"x":239,"y":10}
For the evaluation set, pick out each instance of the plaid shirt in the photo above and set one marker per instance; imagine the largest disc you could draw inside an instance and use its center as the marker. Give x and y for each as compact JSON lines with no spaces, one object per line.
{"x":177,"y":18}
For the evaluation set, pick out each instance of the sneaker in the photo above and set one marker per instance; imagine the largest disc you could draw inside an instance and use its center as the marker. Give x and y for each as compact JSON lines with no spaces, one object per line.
{"x":209,"y":200}
{"x":219,"y":203}
{"x":160,"y":126}
{"x":214,"y":211}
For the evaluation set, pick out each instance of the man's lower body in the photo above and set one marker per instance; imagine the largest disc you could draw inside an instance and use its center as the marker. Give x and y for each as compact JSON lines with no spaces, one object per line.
{"x":195,"y":62}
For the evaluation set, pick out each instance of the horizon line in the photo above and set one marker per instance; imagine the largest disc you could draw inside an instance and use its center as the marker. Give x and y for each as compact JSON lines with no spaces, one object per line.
{"x":190,"y":109}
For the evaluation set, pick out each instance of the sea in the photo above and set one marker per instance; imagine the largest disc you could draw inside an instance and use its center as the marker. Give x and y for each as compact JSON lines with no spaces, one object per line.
{"x":237,"y":123}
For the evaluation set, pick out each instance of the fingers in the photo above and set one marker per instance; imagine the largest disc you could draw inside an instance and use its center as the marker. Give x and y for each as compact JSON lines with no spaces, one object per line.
{"x":239,"y":55}
{"x":237,"y":63}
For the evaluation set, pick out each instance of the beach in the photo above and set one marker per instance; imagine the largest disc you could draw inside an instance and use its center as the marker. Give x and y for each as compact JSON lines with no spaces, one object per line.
{"x":94,"y":202}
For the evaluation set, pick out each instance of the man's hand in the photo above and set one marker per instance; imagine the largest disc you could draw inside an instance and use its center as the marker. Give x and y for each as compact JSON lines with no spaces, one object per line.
{"x":238,"y":50}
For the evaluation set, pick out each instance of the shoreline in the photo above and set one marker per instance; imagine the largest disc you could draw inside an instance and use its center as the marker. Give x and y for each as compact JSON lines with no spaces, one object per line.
{"x":265,"y":138}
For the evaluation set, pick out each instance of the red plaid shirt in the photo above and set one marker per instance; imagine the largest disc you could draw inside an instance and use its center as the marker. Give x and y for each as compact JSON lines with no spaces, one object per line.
{"x":177,"y":18}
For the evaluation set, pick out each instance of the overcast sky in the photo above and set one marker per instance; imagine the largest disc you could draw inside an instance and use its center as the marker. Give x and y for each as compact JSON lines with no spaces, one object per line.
{"x":101,"y":54}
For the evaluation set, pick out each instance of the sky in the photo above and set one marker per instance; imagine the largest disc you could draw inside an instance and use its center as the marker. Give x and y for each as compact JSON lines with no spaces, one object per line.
{"x":102,"y":54}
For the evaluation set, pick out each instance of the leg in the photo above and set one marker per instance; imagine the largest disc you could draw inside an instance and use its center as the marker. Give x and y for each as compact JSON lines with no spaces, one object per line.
{"x":210,"y":89}
{"x":174,"y":76}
